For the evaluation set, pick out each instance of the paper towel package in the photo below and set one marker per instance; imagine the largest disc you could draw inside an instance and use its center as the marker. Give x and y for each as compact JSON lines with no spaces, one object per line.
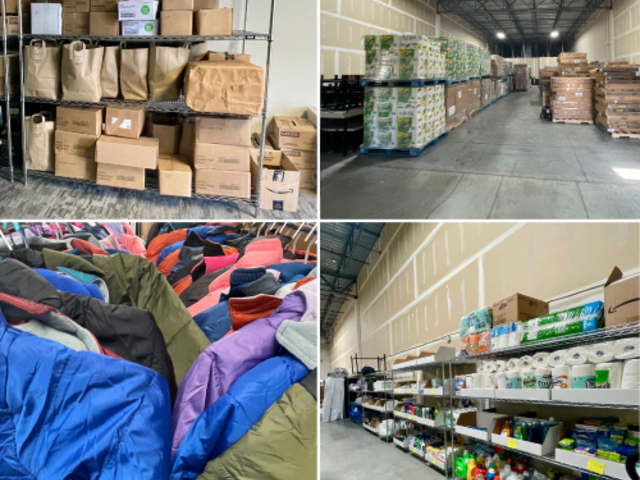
{"x":584,"y":318}
{"x":621,"y":299}
{"x":401,"y":57}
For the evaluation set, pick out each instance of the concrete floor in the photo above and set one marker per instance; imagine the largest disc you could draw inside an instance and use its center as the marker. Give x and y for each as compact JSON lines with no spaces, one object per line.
{"x":349,"y":452}
{"x":505,"y":163}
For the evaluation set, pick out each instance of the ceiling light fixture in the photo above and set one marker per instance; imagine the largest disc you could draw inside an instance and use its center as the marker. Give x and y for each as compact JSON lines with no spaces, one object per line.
{"x":500,"y":35}
{"x":554,"y":34}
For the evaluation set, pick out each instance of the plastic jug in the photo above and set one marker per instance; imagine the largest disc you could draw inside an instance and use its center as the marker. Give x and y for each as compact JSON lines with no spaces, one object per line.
{"x":481,"y":473}
{"x":471,"y":469}
{"x":492,"y":473}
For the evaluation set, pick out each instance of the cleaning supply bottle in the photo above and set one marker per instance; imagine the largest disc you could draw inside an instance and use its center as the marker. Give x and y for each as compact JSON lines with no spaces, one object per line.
{"x":481,"y":473}
{"x":492,"y":473}
{"x":471,"y":469}
{"x":506,"y":470}
{"x":497,"y":463}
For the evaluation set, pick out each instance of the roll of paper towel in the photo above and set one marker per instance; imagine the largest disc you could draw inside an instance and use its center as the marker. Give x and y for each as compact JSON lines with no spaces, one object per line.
{"x":627,"y":349}
{"x":541,"y":360}
{"x":514,"y":379}
{"x":543,"y":378}
{"x":528,"y":378}
{"x":469,"y":381}
{"x":478,"y":380}
{"x":577,"y":356}
{"x":601,"y":353}
{"x":512,"y":364}
{"x":500,"y":366}
{"x":631,"y":374}
{"x":561,"y":376}
{"x":480,"y":367}
{"x":609,"y":375}
{"x":501,"y":380}
{"x":489,"y":381}
{"x":489,"y":366}
{"x":583,"y":376}
{"x":557,"y":359}
{"x":525,"y":363}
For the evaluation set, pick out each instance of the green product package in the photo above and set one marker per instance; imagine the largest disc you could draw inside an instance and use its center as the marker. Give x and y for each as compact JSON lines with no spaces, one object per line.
{"x":584,"y":318}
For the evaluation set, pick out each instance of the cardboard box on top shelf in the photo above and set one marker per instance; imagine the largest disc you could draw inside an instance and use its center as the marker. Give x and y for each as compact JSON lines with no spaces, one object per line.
{"x":302,"y":159}
{"x":217,"y":21}
{"x":168,"y":135}
{"x":228,"y":131}
{"x":218,"y":182}
{"x":518,"y":307}
{"x":104,"y":23}
{"x":293,"y":133}
{"x":120,"y":176}
{"x":124,"y":122}
{"x":230,"y":95}
{"x":76,"y":6}
{"x":75,"y":144}
{"x":272,"y":157}
{"x":70,"y":166}
{"x":137,"y":10}
{"x":621,"y":299}
{"x":280,"y":186}
{"x":104,"y":5}
{"x":175,"y":176}
{"x":75,"y":24}
{"x":231,"y":158}
{"x":46,"y":18}
{"x":86,"y":120}
{"x":174,"y":22}
{"x":177,"y":5}
{"x":205,"y":4}
{"x":128,"y":152}
{"x":188,"y":141}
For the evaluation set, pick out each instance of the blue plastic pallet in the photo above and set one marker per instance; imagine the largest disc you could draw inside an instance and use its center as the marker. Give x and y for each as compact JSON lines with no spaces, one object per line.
{"x":475,"y":78}
{"x":412,"y":152}
{"x":403,"y":83}
{"x":458,"y":82}
{"x":505,"y":79}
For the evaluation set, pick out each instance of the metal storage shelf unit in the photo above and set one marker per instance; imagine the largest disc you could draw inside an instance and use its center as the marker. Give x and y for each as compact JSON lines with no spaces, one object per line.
{"x":178,"y":107}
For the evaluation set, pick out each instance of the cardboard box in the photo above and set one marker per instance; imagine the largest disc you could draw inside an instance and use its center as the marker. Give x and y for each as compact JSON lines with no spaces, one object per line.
{"x":240,"y":87}
{"x":308,"y":179}
{"x":79,"y":120}
{"x":621,"y":299}
{"x":302,"y":159}
{"x":14,"y":74}
{"x":11,"y":7}
{"x":177,"y":5}
{"x":227,"y":131}
{"x":456,"y":104}
{"x":104,"y":23}
{"x":13,"y":25}
{"x":176,"y":22}
{"x":218,"y":21}
{"x":220,"y":56}
{"x":46,"y":18}
{"x":70,"y":166}
{"x":104,"y":6}
{"x":136,"y":10}
{"x":280,"y":186}
{"x":518,"y":307}
{"x":205,"y":4}
{"x":272,"y":157}
{"x":140,"y":28}
{"x":174,"y":176}
{"x":139,"y":153}
{"x":120,"y":176}
{"x":167,"y":135}
{"x":76,"y":6}
{"x":124,"y":122}
{"x":231,"y":158}
{"x":75,"y":24}
{"x":75,"y":144}
{"x":188,"y":141}
{"x":218,"y":182}
{"x":293,"y":133}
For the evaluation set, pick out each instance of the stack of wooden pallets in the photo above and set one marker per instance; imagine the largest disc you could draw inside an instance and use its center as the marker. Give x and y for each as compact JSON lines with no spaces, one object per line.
{"x":545,"y":84}
{"x":572,"y":100}
{"x":573,"y":64}
{"x":617,"y":95}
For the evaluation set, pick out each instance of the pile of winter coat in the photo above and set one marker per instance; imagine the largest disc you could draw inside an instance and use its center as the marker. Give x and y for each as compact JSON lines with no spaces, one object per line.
{"x":193,"y":357}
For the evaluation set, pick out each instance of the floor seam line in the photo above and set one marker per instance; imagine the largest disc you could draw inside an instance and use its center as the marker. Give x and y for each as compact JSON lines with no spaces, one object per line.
{"x":495,"y":199}
{"x":450,"y":193}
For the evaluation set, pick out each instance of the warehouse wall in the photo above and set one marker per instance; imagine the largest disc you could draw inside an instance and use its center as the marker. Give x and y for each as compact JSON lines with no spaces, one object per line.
{"x":343,"y":23}
{"x":593,"y":37}
{"x":535,"y":63}
{"x":325,"y":360}
{"x":429,"y":275}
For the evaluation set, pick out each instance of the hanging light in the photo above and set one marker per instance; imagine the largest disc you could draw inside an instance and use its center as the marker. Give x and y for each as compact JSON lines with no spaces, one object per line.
{"x":500,"y":35}
{"x":554,"y":34}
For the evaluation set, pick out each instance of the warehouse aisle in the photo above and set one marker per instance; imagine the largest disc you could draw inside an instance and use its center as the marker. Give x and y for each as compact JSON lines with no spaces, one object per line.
{"x":349,"y":452}
{"x":505,"y":162}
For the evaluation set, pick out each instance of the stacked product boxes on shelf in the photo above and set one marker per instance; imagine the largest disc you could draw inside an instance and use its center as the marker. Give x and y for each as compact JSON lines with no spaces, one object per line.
{"x":617,"y":97}
{"x":402,"y":57}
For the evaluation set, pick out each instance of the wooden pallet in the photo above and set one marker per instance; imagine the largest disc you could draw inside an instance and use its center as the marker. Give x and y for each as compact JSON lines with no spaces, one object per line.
{"x":574,"y":121}
{"x":457,"y":124}
{"x":624,"y":135}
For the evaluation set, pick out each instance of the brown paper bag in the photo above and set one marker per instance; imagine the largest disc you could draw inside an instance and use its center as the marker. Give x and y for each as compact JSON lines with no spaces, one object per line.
{"x":39,"y":138}
{"x":80,"y":72}
{"x":166,"y":71}
{"x":109,"y":75}
{"x":42,"y":70}
{"x":134,"y":67}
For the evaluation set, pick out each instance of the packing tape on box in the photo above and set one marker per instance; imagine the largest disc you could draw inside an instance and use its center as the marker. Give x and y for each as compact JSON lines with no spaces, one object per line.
{"x":583,"y":376}
{"x":541,"y":359}
{"x":529,"y":378}
{"x":609,"y":375}
{"x":577,"y":356}
{"x":631,"y":375}
{"x":560,"y":376}
{"x":512,"y":364}
{"x":627,"y":349}
{"x":525,"y":363}
{"x":501,"y":380}
{"x":500,"y":366}
{"x":490,"y":381}
{"x":600,"y":353}
{"x":557,"y":359}
{"x":543,"y":378}
{"x":514,"y":379}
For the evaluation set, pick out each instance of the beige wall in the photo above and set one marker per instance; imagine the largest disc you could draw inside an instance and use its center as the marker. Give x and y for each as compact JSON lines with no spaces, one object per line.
{"x":535,"y":63}
{"x":343,"y":23}
{"x":431,"y":274}
{"x":594,"y":37}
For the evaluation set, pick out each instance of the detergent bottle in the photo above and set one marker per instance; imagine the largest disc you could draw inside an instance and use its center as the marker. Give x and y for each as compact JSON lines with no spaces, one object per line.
{"x":461,"y":465}
{"x":481,"y":473}
{"x":506,"y":470}
{"x":492,"y":473}
{"x":471,"y":469}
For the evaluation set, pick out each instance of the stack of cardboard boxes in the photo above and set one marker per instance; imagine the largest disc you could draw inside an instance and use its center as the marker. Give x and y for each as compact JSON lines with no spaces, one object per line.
{"x":456,"y":105}
{"x":497,"y":66}
{"x":572,"y":100}
{"x":77,"y":131}
{"x":177,"y":18}
{"x":487,"y":91}
{"x":12,"y":24}
{"x":573,"y":64}
{"x":617,"y":95}
{"x":522,"y":74}
{"x":474,"y":94}
{"x":545,"y":84}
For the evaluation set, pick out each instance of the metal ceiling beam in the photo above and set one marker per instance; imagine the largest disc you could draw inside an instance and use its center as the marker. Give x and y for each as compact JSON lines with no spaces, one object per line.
{"x":462,"y":13}
{"x":333,"y":252}
{"x":525,"y":10}
{"x":586,"y":14}
{"x":514,"y":19}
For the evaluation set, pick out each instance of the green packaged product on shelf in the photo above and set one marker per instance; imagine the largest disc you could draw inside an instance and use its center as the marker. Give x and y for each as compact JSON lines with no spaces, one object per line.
{"x":567,"y":444}
{"x":584,"y":318}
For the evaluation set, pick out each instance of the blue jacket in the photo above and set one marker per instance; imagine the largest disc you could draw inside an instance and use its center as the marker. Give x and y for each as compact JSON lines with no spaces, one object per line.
{"x":232,"y":415}
{"x":291,"y":269}
{"x":67,"y":414}
{"x":69,"y":285}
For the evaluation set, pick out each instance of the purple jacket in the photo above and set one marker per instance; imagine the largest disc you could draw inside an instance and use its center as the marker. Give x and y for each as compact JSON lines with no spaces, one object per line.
{"x":226,"y":360}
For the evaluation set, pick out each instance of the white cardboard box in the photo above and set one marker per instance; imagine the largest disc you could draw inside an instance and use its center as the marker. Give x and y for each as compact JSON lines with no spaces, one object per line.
{"x":523,"y":394}
{"x":478,"y":419}
{"x":133,"y":10}
{"x":46,"y":18}
{"x":140,"y":28}
{"x":549,"y":445}
{"x":597,"y":395}
{"x":611,"y":469}
{"x":402,"y":444}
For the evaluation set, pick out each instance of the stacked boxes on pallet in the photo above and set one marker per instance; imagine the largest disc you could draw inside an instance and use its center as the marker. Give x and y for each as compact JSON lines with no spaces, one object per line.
{"x":545,"y":84}
{"x":402,"y":57}
{"x":456,"y":104}
{"x":487,"y":91}
{"x":572,"y":100}
{"x":573,"y":64}
{"x":497,"y":66}
{"x":474,"y":94}
{"x":522,"y":74}
{"x":450,"y":50}
{"x":617,"y":95}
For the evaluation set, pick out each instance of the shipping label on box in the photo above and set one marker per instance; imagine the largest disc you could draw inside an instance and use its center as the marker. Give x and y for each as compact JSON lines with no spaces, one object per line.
{"x":79,"y":120}
{"x":227,"y":131}
{"x":120,"y":176}
{"x":76,"y":144}
{"x":128,"y":152}
{"x":219,"y":182}
{"x":140,"y":28}
{"x":124,"y":122}
{"x":222,"y":157}
{"x":70,"y":166}
{"x":133,"y":10}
